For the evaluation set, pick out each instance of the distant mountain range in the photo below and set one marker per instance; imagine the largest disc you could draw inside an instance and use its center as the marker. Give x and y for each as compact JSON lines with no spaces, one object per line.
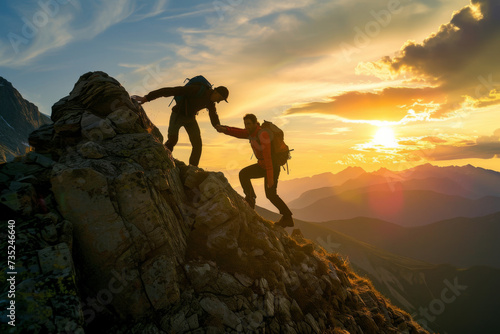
{"x":462,"y":242}
{"x":18,"y":118}
{"x":418,"y":196}
{"x":441,"y":297}
{"x":403,"y":207}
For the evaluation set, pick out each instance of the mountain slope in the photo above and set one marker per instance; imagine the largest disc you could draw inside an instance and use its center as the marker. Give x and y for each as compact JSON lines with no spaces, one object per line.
{"x":442,"y":298}
{"x":476,"y":180}
{"x":115,"y":236}
{"x":18,"y":118}
{"x":462,"y":242}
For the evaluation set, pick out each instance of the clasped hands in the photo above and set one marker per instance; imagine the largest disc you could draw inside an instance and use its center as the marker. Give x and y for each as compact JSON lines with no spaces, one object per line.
{"x":221,"y":128}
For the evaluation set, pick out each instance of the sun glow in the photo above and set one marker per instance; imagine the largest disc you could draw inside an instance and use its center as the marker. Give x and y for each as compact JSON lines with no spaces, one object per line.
{"x":385,"y":137}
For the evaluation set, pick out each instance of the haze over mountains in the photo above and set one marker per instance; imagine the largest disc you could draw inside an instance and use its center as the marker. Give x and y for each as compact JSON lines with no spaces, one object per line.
{"x":18,"y":118}
{"x":413,"y":197}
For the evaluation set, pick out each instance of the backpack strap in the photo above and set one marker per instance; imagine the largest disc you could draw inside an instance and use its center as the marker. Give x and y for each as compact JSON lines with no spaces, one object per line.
{"x":257,"y":138}
{"x":201,"y":91}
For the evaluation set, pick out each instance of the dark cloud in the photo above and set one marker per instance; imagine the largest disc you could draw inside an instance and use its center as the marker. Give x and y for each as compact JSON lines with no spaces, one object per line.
{"x":486,"y":147}
{"x":460,"y":62}
{"x":390,"y":104}
{"x":461,"y":58}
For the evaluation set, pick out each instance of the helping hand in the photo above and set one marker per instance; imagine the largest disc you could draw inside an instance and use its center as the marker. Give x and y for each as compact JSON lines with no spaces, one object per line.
{"x":221,"y":128}
{"x":140,"y":99}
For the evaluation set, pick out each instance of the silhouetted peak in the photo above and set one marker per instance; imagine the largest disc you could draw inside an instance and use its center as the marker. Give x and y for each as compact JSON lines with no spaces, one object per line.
{"x":18,"y":119}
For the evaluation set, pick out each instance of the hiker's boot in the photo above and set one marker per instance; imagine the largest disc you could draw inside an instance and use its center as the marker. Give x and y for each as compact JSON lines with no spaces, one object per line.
{"x":250,"y":201}
{"x":285,"y":221}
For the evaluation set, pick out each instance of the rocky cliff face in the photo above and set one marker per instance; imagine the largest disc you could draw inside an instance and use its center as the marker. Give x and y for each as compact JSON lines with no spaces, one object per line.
{"x":115,"y":236}
{"x":18,"y":118}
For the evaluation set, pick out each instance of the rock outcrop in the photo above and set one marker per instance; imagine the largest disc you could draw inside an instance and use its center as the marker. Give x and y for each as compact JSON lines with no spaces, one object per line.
{"x":18,"y":118}
{"x":115,"y":236}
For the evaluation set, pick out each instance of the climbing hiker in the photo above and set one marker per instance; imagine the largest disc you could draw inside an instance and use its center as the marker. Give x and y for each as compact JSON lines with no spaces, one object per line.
{"x":197,"y":94}
{"x":266,"y":166}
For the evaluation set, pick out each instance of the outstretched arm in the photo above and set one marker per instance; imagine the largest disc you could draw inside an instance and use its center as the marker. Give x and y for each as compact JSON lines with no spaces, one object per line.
{"x":235,"y":132}
{"x":214,"y":117}
{"x":166,"y":92}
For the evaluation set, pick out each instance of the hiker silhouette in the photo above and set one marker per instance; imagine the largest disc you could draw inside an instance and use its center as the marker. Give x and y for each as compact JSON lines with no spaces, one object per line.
{"x":196,"y":95}
{"x":266,"y":166}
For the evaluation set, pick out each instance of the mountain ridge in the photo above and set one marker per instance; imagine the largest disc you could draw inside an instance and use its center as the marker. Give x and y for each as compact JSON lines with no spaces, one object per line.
{"x":18,"y":118}
{"x":461,"y":241}
{"x":397,"y":206}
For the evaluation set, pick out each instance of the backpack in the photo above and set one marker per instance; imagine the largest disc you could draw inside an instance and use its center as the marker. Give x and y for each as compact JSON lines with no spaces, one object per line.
{"x":197,"y":80}
{"x":279,"y":150}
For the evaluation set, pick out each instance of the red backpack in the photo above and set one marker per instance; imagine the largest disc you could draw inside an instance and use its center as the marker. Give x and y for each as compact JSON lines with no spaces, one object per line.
{"x":279,"y":150}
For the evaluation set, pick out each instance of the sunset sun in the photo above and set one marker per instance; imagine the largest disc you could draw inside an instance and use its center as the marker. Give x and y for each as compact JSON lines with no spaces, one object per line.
{"x":385,"y":137}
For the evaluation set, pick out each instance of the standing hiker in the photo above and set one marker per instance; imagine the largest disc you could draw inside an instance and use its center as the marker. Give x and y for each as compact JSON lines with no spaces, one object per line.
{"x":266,"y":166}
{"x":197,"y":94}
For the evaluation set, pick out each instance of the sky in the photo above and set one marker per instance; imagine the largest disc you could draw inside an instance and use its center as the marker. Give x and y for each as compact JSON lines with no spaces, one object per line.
{"x":375,"y":83}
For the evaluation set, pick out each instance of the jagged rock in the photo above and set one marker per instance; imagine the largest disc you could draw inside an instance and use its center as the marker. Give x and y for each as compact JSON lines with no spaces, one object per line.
{"x":159,"y":277}
{"x":295,"y":311}
{"x":39,"y":159}
{"x":119,"y":237}
{"x":95,"y":128}
{"x":41,"y":138}
{"x":220,"y":311}
{"x":92,"y":150}
{"x":282,"y":308}
{"x":20,"y":197}
{"x":123,"y":120}
{"x":55,"y":258}
{"x":243,"y":279}
{"x":70,"y":123}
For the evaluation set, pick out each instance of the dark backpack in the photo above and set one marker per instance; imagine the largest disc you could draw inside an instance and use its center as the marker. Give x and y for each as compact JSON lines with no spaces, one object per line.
{"x":199,"y":80}
{"x":279,"y":150}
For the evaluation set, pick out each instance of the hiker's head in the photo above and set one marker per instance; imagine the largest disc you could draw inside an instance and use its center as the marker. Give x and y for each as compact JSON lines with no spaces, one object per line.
{"x":219,"y":94}
{"x":250,"y":121}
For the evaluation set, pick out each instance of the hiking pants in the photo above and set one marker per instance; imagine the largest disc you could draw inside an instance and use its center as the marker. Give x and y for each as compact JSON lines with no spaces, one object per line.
{"x":255,"y":172}
{"x":178,"y":120}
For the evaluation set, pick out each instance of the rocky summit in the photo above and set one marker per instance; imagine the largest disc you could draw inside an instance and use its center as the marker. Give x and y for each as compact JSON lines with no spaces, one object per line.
{"x":113,"y":235}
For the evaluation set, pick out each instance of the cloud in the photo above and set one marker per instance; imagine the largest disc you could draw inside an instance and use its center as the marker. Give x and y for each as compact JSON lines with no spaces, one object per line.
{"x":407,"y":143}
{"x":336,"y":131}
{"x":273,"y":54}
{"x":158,"y":8}
{"x":461,"y":58}
{"x":485,"y":147}
{"x":45,"y":28}
{"x":390,"y":104}
{"x":454,"y":69}
{"x":434,"y":140}
{"x":194,"y":12}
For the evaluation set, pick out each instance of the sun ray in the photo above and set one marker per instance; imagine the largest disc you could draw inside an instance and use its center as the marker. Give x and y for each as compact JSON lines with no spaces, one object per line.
{"x":385,"y":137}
